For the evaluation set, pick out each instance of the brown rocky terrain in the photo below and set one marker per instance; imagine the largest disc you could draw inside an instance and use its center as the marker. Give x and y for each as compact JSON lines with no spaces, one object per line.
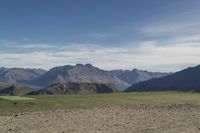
{"x":75,"y":88}
{"x":3,"y":85}
{"x":134,"y":119}
{"x":15,"y":90}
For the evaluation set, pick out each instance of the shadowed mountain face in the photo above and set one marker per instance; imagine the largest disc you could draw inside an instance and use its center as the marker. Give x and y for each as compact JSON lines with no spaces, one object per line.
{"x":185,"y":80}
{"x":75,"y":88}
{"x":79,"y":73}
{"x":15,"y":90}
{"x":136,"y":76}
{"x":17,"y":75}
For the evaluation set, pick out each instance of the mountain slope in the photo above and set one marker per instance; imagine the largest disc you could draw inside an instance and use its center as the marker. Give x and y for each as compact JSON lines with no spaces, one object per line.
{"x":75,"y":88}
{"x":3,"y":85}
{"x":136,"y":76}
{"x":15,"y":90}
{"x":17,"y":75}
{"x":79,"y":73}
{"x":185,"y":80}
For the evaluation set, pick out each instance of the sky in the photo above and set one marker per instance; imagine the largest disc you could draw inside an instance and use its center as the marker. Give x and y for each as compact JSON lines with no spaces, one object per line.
{"x":153,"y":35}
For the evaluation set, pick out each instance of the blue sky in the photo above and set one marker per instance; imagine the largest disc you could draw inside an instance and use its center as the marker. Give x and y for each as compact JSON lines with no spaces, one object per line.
{"x":155,"y":35}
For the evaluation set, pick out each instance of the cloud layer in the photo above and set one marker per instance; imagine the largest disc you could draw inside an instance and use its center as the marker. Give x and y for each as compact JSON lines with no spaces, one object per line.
{"x":148,"y":55}
{"x":168,"y":43}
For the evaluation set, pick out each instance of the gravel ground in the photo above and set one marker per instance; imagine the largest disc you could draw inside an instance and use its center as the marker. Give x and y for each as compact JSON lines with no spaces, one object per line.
{"x":180,"y":118}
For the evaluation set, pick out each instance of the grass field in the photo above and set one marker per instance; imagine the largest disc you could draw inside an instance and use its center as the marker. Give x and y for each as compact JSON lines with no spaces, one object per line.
{"x":15,"y":98}
{"x":11,"y":105}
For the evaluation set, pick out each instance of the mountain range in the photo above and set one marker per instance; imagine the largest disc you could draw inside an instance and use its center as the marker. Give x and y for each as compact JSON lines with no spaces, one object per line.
{"x":78,"y":79}
{"x":185,"y":80}
{"x":135,"y":76}
{"x":18,"y":75}
{"x":77,"y":73}
{"x":40,"y":79}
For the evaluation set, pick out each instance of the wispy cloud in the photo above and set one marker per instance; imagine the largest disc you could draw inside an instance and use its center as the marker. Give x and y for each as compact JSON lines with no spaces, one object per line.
{"x":147,"y":55}
{"x":23,"y":45}
{"x":184,"y":23}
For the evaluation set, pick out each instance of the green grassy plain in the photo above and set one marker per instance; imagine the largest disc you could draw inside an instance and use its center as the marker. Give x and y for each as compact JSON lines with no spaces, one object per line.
{"x":15,"y":98}
{"x":11,"y":105}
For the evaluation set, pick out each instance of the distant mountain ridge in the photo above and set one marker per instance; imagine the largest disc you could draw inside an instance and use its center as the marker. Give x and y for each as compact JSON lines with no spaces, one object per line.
{"x":135,"y":76}
{"x":185,"y":80}
{"x":17,"y":75}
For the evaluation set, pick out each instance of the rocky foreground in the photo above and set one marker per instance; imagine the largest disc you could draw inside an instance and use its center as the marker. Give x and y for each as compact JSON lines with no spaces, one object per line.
{"x":183,"y":118}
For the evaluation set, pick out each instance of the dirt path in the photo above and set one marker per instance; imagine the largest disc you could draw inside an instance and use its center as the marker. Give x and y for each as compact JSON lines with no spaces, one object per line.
{"x":158,"y":119}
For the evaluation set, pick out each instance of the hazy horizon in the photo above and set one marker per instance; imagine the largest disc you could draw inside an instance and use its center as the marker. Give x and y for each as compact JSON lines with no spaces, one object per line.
{"x":153,"y":35}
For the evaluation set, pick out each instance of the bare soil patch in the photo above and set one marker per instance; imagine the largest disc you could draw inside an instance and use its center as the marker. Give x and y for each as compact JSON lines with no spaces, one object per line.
{"x":177,"y":118}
